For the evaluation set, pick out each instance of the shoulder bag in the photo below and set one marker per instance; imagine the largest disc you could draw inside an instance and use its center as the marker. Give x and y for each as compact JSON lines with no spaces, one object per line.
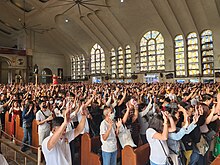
{"x":169,"y":161}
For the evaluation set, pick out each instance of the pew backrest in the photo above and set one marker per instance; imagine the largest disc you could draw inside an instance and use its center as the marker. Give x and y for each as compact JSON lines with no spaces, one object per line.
{"x":138,"y":156}
{"x":88,"y":157}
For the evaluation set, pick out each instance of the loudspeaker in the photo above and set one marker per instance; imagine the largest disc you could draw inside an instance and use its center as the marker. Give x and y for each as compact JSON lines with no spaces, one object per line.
{"x":134,"y":76}
{"x":217,"y":74}
{"x":169,"y":76}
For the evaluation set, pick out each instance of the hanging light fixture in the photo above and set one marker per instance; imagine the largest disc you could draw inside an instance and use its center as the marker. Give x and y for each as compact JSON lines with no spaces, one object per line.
{"x":79,"y":4}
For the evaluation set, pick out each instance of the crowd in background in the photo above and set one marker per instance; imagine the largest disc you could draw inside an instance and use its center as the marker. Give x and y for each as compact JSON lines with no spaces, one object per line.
{"x":178,"y":120}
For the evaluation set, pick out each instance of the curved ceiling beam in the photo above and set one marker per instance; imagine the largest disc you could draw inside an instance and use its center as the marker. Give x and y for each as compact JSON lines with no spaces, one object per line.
{"x":67,"y":37}
{"x":122,"y":28}
{"x":88,"y":23}
{"x":107,"y":30}
{"x":63,"y":45}
{"x":100,"y":29}
{"x":174,"y":15}
{"x":190,"y":16}
{"x":162,"y":19}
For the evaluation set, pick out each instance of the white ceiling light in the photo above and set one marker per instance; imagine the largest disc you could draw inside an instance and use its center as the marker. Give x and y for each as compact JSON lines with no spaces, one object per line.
{"x":66,"y":20}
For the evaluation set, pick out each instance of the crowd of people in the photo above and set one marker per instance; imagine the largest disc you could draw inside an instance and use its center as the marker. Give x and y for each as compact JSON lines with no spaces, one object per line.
{"x":178,"y":120}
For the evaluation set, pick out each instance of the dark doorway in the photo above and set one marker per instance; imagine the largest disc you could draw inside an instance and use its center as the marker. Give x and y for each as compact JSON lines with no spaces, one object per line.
{"x":46,"y":76}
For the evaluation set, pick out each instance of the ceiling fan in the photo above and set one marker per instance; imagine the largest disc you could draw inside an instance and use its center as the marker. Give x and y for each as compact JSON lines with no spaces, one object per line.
{"x":31,"y":28}
{"x":79,"y":4}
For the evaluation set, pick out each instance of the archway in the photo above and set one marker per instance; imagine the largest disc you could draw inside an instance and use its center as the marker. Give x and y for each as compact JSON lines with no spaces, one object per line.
{"x":4,"y":65}
{"x":46,"y":76}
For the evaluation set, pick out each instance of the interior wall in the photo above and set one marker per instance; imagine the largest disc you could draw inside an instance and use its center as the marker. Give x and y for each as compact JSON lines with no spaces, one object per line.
{"x":4,"y":72}
{"x":51,"y":61}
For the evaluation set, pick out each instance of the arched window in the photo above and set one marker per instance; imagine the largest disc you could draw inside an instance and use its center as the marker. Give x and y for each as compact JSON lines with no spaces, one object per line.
{"x":128,"y":61}
{"x":179,"y":56}
{"x":73,"y":68}
{"x":113,"y":63}
{"x":83,"y":66}
{"x":120,"y":62}
{"x":78,"y":69}
{"x":193,"y":54}
{"x":152,"y":51}
{"x":97,"y":59}
{"x":207,"y":53}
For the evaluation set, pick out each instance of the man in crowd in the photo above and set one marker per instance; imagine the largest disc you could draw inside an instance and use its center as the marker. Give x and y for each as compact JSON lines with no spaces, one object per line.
{"x":108,"y":134}
{"x":56,"y":148}
{"x":43,"y":116}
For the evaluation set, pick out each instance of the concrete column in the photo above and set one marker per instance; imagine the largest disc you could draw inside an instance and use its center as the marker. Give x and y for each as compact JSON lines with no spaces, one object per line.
{"x":9,"y":76}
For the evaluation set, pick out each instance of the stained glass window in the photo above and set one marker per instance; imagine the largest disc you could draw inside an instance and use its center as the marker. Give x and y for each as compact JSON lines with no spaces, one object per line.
{"x":83,"y":67}
{"x":179,"y":56}
{"x":78,"y":67}
{"x":97,"y":59}
{"x":128,"y":61}
{"x":193,"y":54}
{"x":73,"y":68}
{"x":120,"y":62}
{"x":207,"y":53}
{"x":113,"y":63}
{"x":152,"y":52}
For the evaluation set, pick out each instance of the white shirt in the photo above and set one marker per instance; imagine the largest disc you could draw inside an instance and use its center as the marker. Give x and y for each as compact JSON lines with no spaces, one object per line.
{"x":40,"y":117}
{"x":58,"y":113}
{"x":60,"y":154}
{"x":172,"y":96}
{"x":110,"y":145}
{"x":157,"y":154}
{"x":3,"y":160}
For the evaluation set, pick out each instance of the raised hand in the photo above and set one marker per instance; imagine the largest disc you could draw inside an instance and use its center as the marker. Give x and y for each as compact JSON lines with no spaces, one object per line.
{"x":67,"y":118}
{"x":165,"y":116}
{"x":94,"y":92}
{"x":110,"y":123}
{"x":181,"y":109}
{"x":196,"y":116}
{"x":119,"y":123}
{"x":84,"y":111}
{"x":213,"y":108}
{"x":200,"y":110}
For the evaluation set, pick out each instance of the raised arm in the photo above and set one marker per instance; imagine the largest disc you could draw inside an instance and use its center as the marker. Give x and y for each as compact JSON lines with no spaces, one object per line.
{"x":211,"y":117}
{"x":172,"y":127}
{"x":59,"y":132}
{"x":146,"y":110}
{"x":90,"y":100}
{"x":81,"y":125}
{"x":164,"y":134}
{"x":123,"y":98}
{"x":125,"y":117}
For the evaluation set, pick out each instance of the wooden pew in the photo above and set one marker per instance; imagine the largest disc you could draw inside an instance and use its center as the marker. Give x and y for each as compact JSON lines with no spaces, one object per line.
{"x":7,"y":126}
{"x":19,"y":133}
{"x":138,"y":156}
{"x":216,"y":161}
{"x":35,"y":142}
{"x":88,"y":145}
